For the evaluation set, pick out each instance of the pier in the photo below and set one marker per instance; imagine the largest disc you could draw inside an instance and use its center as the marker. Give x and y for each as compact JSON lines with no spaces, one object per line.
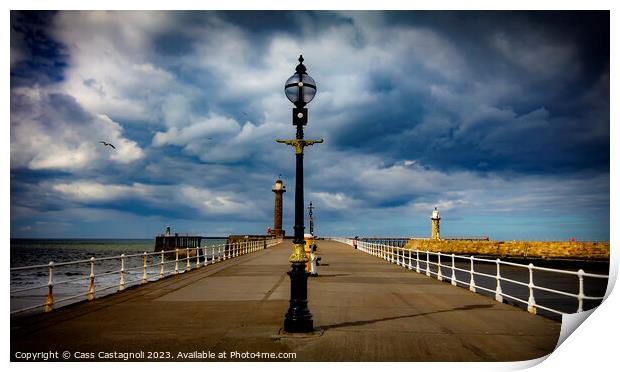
{"x":364,"y":309}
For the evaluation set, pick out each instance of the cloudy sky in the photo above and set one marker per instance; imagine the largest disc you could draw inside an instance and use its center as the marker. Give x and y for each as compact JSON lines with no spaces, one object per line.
{"x":500,"y":119}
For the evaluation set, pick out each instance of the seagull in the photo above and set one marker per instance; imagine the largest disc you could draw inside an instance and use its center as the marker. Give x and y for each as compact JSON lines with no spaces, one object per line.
{"x":108,"y":144}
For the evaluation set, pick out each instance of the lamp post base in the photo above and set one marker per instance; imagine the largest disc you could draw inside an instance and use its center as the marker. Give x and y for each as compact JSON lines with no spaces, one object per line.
{"x":298,"y":318}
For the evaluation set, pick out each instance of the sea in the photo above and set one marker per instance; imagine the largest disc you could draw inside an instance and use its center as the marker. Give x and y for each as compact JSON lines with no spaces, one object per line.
{"x":71,"y":282}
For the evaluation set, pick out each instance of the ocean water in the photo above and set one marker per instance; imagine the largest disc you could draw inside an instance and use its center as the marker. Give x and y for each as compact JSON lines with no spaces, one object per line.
{"x":73,"y":280}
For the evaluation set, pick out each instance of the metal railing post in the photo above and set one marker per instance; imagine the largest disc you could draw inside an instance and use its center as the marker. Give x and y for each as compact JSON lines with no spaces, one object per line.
{"x":531,"y":302}
{"x":472,"y":283}
{"x":428,"y":265}
{"x":91,"y":287}
{"x":581,"y":295}
{"x":439,"y":276}
{"x":498,"y":288}
{"x":410,"y":265}
{"x":121,"y":282}
{"x":453,"y":279}
{"x":161,"y":265}
{"x":188,"y":267}
{"x":144,"y":276}
{"x":49,"y":303}
{"x":176,"y":261}
{"x":197,"y":258}
{"x":417,"y":261}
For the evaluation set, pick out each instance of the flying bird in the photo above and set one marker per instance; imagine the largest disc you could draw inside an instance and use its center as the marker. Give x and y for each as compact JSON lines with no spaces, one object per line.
{"x":108,"y":144}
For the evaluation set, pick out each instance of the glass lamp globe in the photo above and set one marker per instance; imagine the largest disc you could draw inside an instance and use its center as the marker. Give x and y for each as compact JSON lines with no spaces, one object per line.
{"x":300,"y":88}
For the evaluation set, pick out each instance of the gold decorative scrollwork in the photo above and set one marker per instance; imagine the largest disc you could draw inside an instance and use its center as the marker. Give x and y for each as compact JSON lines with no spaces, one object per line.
{"x":299,"y":254}
{"x":299,"y":144}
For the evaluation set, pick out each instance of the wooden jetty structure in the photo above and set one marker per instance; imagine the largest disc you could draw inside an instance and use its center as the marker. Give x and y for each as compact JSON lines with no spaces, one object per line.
{"x":170,"y":242}
{"x":190,"y":244}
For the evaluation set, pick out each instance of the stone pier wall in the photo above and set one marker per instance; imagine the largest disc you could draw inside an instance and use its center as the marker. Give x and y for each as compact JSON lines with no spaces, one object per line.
{"x":545,"y":250}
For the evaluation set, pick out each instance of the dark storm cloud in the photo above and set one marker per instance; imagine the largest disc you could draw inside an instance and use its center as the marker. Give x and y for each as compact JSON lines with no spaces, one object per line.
{"x":538,"y":126}
{"x":35,"y":56}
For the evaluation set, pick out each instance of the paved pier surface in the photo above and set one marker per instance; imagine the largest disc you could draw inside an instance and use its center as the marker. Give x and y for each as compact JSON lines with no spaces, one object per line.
{"x":368,"y":310}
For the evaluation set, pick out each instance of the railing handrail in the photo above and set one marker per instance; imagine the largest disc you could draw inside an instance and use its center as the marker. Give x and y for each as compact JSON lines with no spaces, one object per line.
{"x":219,"y":252}
{"x":387,"y":252}
{"x":107,"y":258}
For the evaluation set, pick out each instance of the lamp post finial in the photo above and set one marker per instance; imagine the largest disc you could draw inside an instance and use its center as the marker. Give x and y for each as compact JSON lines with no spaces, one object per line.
{"x":300,"y":69}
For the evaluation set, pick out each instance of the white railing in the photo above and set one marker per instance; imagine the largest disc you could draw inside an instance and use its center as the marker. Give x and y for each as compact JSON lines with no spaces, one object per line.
{"x":151,"y":267}
{"x":414,"y":259}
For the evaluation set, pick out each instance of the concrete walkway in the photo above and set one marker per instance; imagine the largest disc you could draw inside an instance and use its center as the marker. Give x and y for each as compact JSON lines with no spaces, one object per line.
{"x":368,"y":310}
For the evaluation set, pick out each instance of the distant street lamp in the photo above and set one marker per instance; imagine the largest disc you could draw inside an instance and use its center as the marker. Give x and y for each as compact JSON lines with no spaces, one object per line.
{"x":299,"y":89}
{"x":310,"y":219}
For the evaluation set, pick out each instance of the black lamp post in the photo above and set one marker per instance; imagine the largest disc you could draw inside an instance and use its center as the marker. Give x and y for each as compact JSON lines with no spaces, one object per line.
{"x":299,"y":89}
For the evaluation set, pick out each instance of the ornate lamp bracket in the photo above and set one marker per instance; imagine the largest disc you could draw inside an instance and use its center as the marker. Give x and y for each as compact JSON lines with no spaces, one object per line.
{"x":299,"y":144}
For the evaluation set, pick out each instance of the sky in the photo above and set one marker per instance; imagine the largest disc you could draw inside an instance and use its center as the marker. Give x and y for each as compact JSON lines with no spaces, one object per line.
{"x":499,"y":119}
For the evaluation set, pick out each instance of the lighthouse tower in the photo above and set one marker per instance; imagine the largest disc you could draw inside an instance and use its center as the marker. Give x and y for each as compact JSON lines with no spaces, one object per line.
{"x":278,"y":189}
{"x":435,"y":217}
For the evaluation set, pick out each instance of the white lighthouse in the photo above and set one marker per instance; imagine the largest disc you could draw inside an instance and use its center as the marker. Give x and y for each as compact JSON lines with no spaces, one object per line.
{"x":435,"y":217}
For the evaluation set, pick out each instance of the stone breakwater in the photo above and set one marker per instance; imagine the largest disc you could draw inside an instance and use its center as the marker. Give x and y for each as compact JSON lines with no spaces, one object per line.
{"x":595,"y":251}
